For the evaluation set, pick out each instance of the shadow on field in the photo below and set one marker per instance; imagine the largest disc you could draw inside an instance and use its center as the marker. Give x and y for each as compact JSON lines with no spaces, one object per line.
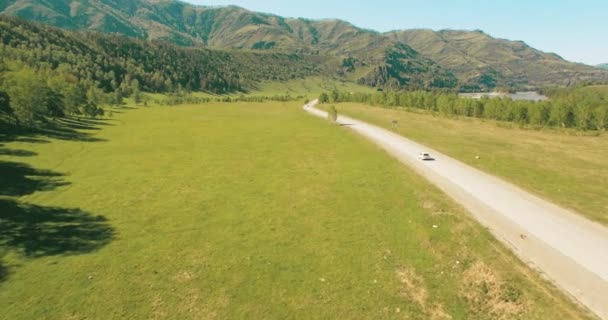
{"x":62,"y":129}
{"x":37,"y":231}
{"x":3,"y":272}
{"x":17,"y":153}
{"x":18,"y":179}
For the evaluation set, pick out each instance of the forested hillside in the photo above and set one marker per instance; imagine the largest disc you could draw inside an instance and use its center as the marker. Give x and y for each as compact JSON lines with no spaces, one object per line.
{"x":426,"y":58}
{"x":49,"y":72}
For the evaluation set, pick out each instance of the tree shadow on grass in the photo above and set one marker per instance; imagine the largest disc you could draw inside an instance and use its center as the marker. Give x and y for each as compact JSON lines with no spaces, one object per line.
{"x":61,"y":129}
{"x":26,"y":140}
{"x":3,"y":272}
{"x":36,"y":231}
{"x":18,"y":179}
{"x":16,"y":153}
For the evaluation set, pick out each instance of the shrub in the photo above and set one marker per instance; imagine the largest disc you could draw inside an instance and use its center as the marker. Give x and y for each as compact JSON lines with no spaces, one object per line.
{"x":332,"y":115}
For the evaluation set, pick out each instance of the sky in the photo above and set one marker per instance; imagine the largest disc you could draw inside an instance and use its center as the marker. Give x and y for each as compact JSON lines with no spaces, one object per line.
{"x":576,"y":30}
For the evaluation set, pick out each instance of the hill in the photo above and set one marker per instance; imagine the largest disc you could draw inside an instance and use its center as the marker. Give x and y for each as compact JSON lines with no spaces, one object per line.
{"x":369,"y":58}
{"x":478,"y":58}
{"x":603,"y":66}
{"x":414,"y":58}
{"x":159,"y":67}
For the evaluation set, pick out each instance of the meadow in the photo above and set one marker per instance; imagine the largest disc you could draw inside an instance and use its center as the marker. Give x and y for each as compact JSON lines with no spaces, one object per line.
{"x":242,"y":210}
{"x":300,"y":89}
{"x":565,"y":166}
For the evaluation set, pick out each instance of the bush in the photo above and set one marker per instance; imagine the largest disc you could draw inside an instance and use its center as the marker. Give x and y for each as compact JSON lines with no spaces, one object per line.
{"x":323,"y":98}
{"x":332,"y":115}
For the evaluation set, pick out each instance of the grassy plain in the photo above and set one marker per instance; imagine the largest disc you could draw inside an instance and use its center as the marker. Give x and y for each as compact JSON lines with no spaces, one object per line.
{"x":566,"y":167}
{"x":253,"y":211}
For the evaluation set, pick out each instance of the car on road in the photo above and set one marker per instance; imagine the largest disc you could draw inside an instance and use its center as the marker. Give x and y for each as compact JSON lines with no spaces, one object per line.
{"x":424,"y":156}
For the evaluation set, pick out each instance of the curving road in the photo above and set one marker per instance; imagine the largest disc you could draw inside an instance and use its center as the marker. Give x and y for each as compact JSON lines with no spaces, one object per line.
{"x":566,"y":248}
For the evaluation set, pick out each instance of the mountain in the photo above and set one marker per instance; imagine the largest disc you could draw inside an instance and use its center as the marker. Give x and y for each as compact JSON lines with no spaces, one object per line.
{"x":182,"y":23}
{"x":603,"y":66}
{"x":477,"y":57}
{"x":412,"y":58}
{"x":359,"y":55}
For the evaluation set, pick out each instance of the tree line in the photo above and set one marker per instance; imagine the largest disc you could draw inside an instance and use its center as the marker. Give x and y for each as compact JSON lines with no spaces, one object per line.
{"x":30,"y":96}
{"x":567,"y":108}
{"x":187,"y":98}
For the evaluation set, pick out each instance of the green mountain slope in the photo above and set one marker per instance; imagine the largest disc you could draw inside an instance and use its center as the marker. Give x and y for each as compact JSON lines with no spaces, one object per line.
{"x":158,"y":66}
{"x":414,"y":58}
{"x":603,"y":66}
{"x":236,"y":28}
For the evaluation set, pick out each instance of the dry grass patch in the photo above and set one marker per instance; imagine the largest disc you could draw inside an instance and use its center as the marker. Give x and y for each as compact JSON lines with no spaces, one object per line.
{"x":413,"y":286}
{"x":414,"y":289}
{"x":489,"y":296}
{"x":183,"y":276}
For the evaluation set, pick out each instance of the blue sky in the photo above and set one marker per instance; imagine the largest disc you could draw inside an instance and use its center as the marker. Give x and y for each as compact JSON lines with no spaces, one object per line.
{"x":576,"y":30}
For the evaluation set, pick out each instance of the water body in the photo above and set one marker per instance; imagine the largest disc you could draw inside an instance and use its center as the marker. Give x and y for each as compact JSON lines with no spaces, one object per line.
{"x":523,"y":95}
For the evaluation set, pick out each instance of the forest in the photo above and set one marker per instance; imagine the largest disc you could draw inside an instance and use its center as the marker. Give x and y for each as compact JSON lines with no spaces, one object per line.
{"x":46,"y":72}
{"x":567,"y":107}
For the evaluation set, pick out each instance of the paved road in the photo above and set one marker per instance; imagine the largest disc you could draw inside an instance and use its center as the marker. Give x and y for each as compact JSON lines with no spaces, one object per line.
{"x":566,"y":248}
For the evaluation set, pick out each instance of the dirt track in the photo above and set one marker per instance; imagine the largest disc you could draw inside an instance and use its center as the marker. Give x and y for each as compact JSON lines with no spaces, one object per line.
{"x":568,"y":249}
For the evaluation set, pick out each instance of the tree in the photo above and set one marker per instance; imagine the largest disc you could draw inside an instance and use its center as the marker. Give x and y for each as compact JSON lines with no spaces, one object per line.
{"x":94,"y":95}
{"x":27,"y":96}
{"x":54,"y":104}
{"x":332,"y":114}
{"x":323,"y":98}
{"x":600,"y":117}
{"x":5,"y":103}
{"x":118,"y":96}
{"x":73,"y":98}
{"x":91,"y":110}
{"x":335,"y":96}
{"x":584,"y":115}
{"x":136,"y":91}
{"x":561,"y":114}
{"x":538,"y":114}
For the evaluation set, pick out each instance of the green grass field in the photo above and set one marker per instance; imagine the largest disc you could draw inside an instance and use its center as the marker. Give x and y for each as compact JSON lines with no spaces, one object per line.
{"x":247,"y":211}
{"x":566,"y":167}
{"x":311,"y":87}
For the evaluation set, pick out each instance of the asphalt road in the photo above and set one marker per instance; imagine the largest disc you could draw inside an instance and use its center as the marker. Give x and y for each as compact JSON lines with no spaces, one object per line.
{"x":563,"y":246}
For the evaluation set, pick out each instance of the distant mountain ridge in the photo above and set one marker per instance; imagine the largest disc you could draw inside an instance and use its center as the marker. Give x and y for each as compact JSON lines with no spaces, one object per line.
{"x":420,"y":58}
{"x":603,"y":66}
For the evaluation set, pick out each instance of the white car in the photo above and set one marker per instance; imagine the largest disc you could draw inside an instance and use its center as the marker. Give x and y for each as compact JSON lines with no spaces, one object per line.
{"x":424,"y":156}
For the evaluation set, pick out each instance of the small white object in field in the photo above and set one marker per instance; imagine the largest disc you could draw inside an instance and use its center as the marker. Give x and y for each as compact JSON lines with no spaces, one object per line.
{"x":477,"y":157}
{"x":435,"y":226}
{"x":322,"y":279}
